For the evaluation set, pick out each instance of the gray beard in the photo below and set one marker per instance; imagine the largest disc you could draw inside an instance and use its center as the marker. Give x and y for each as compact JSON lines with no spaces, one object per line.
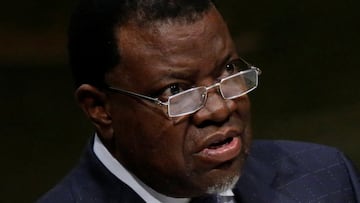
{"x":226,"y":184}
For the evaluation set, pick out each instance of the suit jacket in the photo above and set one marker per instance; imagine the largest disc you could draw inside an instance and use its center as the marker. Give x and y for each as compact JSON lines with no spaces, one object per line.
{"x":275,"y":171}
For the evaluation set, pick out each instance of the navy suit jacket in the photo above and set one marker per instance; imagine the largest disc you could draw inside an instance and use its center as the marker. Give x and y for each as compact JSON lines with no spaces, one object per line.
{"x":276,"y":171}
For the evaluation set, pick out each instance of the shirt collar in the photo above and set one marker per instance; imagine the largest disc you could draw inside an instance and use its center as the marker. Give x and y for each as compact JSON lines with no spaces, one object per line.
{"x":117,"y":169}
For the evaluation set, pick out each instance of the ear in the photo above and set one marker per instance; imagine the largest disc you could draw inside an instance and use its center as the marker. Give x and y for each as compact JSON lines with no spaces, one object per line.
{"x":94,"y":103}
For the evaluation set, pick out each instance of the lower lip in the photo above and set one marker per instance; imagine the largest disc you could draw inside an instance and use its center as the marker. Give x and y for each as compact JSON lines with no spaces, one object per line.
{"x":222,"y":154}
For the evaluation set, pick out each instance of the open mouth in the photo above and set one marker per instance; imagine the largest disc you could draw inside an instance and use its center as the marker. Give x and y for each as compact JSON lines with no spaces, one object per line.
{"x":220,"y":143}
{"x":222,"y":150}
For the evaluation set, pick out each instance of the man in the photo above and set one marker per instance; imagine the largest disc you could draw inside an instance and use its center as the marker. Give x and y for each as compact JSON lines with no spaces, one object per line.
{"x":163,"y":85}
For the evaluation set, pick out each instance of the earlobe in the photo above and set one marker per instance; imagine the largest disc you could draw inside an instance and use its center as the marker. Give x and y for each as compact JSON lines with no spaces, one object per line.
{"x":94,"y":104}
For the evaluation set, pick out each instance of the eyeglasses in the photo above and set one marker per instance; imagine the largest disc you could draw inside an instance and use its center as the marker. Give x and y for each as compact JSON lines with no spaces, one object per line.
{"x":192,"y":100}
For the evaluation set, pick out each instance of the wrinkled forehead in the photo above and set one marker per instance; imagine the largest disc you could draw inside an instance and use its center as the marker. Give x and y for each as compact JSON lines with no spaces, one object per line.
{"x":171,"y":35}
{"x":173,"y":46}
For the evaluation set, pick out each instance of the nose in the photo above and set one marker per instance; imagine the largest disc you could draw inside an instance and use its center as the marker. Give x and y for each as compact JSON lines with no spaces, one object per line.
{"x":216,"y":110}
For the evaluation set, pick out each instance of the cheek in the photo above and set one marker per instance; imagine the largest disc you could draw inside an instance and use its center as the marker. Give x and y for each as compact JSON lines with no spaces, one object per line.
{"x":151,"y":138}
{"x":243,"y":107}
{"x":244,"y":112}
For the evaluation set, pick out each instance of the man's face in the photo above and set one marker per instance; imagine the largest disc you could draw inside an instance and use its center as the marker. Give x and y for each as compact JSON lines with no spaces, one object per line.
{"x":191,"y":155}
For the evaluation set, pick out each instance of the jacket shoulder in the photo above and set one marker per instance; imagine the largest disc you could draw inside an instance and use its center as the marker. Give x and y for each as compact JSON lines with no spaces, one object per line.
{"x":292,"y":157}
{"x":62,"y":192}
{"x":279,"y":149}
{"x":90,"y":181}
{"x":307,"y":170}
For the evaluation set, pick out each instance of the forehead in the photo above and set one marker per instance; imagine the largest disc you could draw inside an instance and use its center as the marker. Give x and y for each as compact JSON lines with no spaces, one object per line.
{"x":172,"y":47}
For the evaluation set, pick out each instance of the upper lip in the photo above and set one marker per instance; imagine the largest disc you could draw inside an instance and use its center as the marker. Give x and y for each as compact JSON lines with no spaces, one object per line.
{"x":218,"y":137}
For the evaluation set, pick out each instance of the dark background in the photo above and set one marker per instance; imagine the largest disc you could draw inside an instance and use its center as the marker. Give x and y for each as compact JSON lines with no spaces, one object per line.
{"x":309,"y":91}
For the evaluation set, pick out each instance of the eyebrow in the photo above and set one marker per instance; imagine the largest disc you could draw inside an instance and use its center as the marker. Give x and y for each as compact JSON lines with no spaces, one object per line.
{"x":191,"y":73}
{"x":169,"y":74}
{"x":184,"y":73}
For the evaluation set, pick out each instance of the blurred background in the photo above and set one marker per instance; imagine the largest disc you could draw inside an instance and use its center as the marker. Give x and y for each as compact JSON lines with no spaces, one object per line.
{"x":309,"y":90}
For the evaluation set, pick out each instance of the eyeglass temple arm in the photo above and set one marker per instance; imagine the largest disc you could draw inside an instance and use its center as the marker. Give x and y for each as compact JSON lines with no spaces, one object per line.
{"x":133,"y":94}
{"x":252,"y":67}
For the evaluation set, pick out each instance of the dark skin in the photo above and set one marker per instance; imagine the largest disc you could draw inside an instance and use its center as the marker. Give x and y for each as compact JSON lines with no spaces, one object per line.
{"x":168,"y":153}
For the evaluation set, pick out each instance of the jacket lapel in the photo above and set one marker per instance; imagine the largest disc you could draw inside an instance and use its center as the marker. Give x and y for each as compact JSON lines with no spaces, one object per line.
{"x":255,"y":185}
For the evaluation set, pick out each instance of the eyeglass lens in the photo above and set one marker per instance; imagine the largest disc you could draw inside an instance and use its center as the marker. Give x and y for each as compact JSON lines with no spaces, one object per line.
{"x":238,"y":85}
{"x":187,"y":102}
{"x":191,"y":100}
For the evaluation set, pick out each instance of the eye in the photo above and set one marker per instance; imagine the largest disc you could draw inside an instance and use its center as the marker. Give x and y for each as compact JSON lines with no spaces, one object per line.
{"x":230,"y":68}
{"x":236,"y":66}
{"x":172,"y":90}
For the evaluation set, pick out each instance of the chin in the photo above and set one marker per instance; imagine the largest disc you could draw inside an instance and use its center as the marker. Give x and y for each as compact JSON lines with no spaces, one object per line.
{"x":226,"y":177}
{"x":225,"y":184}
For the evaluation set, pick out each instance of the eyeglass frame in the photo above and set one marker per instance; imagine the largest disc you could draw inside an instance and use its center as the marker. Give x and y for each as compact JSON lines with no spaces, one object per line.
{"x":207,"y":88}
